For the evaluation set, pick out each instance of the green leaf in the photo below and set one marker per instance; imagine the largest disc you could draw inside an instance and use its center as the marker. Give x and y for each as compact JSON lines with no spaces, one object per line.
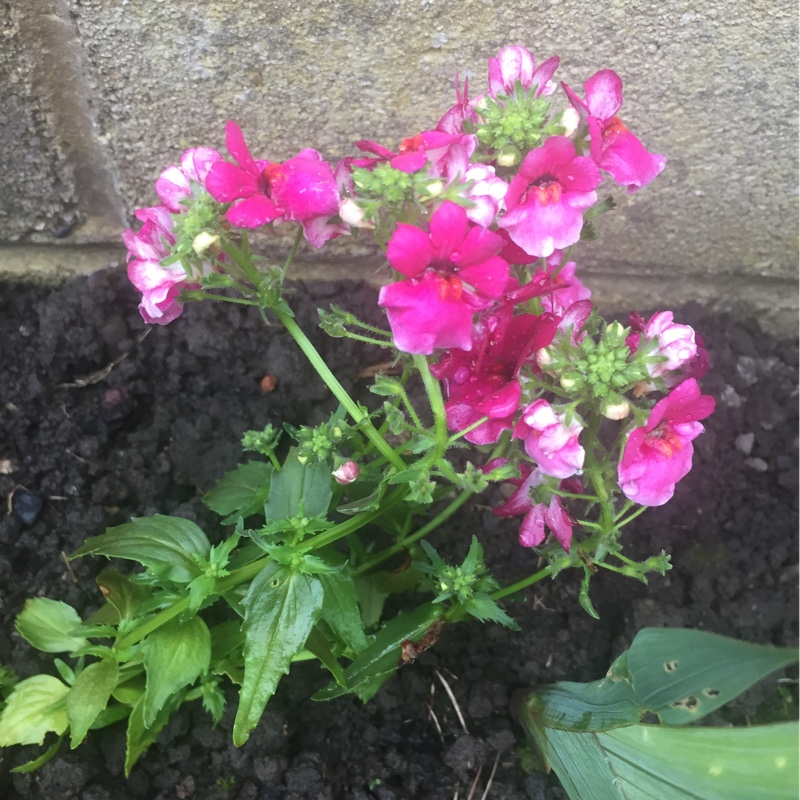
{"x":121,"y":593}
{"x":88,"y":697}
{"x":242,"y":491}
{"x":299,"y":489}
{"x":213,"y":700}
{"x":682,"y":675}
{"x":141,"y":736}
{"x":281,"y":608}
{"x":642,"y":762}
{"x":47,"y":624}
{"x":340,"y":608}
{"x":165,"y":545}
{"x":37,"y":763}
{"x":35,"y":707}
{"x":175,"y":656}
{"x":381,"y":658}
{"x":371,"y":598}
{"x":321,"y":648}
{"x":482,"y":607}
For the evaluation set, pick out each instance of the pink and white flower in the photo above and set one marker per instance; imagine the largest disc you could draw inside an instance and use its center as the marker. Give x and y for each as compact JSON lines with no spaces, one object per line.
{"x":550,"y":441}
{"x":613,"y":147}
{"x":659,"y":454}
{"x":515,"y":64}
{"x":453,"y":271}
{"x":547,"y":197}
{"x":174,"y":184}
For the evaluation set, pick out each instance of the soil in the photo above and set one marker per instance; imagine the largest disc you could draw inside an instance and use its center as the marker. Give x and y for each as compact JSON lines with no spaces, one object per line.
{"x":167,"y":417}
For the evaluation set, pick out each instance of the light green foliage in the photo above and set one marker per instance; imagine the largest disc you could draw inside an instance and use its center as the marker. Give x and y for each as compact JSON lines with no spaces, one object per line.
{"x":591,"y":734}
{"x":88,"y":696}
{"x":35,"y":707}
{"x":47,"y":625}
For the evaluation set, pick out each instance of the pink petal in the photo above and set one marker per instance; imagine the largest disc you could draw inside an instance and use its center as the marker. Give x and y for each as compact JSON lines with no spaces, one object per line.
{"x":448,"y":229}
{"x":226,"y":182}
{"x":488,"y":279}
{"x":173,"y":186}
{"x":409,"y":250}
{"x":603,"y":94}
{"x":253,"y":211}
{"x":237,"y":147}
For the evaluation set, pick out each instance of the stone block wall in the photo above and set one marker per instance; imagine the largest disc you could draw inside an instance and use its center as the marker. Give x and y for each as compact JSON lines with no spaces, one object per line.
{"x":97,"y":96}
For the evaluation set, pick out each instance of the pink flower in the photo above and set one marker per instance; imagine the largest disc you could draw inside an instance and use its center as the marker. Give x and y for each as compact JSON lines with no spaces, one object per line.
{"x":659,"y":454}
{"x":549,"y":441}
{"x":301,"y":189}
{"x":547,"y":197}
{"x":453,"y":119}
{"x":486,"y":191}
{"x":514,"y":65}
{"x":483,"y":382}
{"x":147,"y":248}
{"x":537,"y":515}
{"x":453,"y":270}
{"x":346,"y":473}
{"x":614,"y":148}
{"x":567,"y":289}
{"x":433,"y":148}
{"x":174,"y":184}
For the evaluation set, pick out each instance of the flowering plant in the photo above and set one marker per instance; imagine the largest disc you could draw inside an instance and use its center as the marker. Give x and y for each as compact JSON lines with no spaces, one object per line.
{"x":582,"y":424}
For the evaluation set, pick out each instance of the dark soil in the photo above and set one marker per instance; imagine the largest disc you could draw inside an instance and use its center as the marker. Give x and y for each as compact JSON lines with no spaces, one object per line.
{"x":168,"y":417}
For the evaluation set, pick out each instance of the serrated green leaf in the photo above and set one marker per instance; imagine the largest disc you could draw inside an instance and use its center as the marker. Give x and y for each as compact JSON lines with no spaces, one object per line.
{"x":242,"y":491}
{"x":88,"y":697}
{"x":299,"y":488}
{"x":213,"y":700}
{"x":35,"y":707}
{"x":47,"y":625}
{"x":340,"y":608}
{"x":175,"y":656}
{"x":375,"y":664}
{"x":482,"y":607}
{"x":683,"y":674}
{"x":165,"y":545}
{"x":281,"y":608}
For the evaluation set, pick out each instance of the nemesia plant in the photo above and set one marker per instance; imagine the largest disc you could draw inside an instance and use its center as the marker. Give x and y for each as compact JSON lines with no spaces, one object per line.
{"x":573,"y":424}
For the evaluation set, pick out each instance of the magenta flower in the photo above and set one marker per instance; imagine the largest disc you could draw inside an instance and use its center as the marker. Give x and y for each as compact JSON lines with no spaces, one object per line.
{"x":301,"y":189}
{"x":514,"y":65}
{"x":547,"y":197}
{"x":486,"y":191}
{"x":453,"y":272}
{"x":432,"y":148}
{"x":538,"y":516}
{"x":346,"y":473}
{"x":174,"y":184}
{"x":567,"y":289}
{"x":147,"y":248}
{"x":483,"y":382}
{"x":549,"y":441}
{"x":659,"y":454}
{"x":613,"y":147}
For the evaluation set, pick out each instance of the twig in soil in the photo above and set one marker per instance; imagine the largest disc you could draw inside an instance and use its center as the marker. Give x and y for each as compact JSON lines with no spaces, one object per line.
{"x":10,"y":498}
{"x":475,"y":783}
{"x":69,"y":568}
{"x":432,"y":713}
{"x":452,"y":700}
{"x":96,"y":377}
{"x":491,"y":778}
{"x":539,"y":603}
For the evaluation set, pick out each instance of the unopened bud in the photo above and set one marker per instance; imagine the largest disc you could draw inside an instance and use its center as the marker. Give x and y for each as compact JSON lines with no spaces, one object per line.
{"x":571,"y":380}
{"x":508,"y":157}
{"x":347,"y":473}
{"x":570,"y":119}
{"x":543,"y":357}
{"x":435,"y":188}
{"x":616,"y":407}
{"x":615,"y":331}
{"x":352,"y":214}
{"x":204,"y":241}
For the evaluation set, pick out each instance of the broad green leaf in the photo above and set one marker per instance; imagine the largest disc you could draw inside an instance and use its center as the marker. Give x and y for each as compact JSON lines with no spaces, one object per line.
{"x":165,"y":545}
{"x":226,"y":638}
{"x":242,"y":491}
{"x":88,"y":697}
{"x":647,"y":762}
{"x":111,"y":714}
{"x":682,"y":674}
{"x":382,"y":656}
{"x":123,"y":597}
{"x":340,"y":608}
{"x":299,"y":484}
{"x":47,"y":625}
{"x":35,"y":707}
{"x":175,"y":656}
{"x":321,"y":648}
{"x":371,"y":599}
{"x":281,"y":608}
{"x":130,"y":691}
{"x":141,"y":736}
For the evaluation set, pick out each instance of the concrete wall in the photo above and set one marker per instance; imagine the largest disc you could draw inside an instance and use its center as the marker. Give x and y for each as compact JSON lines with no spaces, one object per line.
{"x":97,"y":96}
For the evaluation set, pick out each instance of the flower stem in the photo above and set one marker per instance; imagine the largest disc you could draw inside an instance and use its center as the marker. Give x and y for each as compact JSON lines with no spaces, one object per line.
{"x":520,"y":585}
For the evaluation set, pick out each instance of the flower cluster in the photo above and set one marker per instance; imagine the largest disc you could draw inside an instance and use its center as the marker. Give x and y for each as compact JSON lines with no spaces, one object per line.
{"x":478,"y":217}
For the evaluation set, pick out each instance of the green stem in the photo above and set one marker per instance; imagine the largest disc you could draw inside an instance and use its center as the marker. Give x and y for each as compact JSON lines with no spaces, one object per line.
{"x":358,"y":415}
{"x":152,"y":624}
{"x":434,"y":392}
{"x":520,"y":585}
{"x":632,"y":517}
{"x":292,"y":253}
{"x":417,"y":535}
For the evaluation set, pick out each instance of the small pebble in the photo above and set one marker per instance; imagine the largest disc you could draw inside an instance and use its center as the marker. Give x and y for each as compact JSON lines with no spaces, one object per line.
{"x":744,"y":442}
{"x":26,"y":506}
{"x":729,"y":397}
{"x":758,"y":464}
